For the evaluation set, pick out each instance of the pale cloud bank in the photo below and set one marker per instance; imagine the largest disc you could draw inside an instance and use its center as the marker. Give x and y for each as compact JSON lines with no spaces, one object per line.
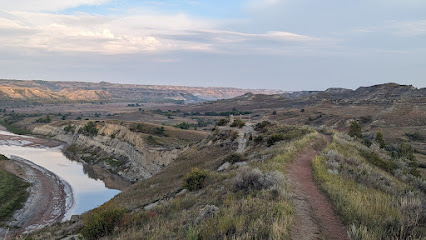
{"x":126,"y":34}
{"x":45,"y":5}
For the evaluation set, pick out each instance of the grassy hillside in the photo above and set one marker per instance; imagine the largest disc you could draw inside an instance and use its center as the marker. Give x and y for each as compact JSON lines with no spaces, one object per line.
{"x":377,"y":196}
{"x":250,"y":199}
{"x":13,"y":193}
{"x":250,"y":202}
{"x":378,"y":193}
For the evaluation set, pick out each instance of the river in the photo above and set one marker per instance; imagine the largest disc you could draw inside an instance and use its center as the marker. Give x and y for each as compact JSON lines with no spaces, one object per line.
{"x":88,"y":193}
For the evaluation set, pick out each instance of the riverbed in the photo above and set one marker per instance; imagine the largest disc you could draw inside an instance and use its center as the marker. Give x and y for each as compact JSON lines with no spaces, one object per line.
{"x":86,"y":193}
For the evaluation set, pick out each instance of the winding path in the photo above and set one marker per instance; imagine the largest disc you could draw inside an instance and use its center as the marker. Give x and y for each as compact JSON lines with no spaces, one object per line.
{"x":315,"y":218}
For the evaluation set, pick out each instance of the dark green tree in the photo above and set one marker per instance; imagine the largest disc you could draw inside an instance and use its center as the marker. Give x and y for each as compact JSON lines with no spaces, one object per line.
{"x":380,"y":139}
{"x":355,"y":130}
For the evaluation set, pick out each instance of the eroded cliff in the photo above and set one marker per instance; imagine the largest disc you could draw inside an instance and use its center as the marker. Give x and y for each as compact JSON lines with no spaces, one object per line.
{"x":122,"y":148}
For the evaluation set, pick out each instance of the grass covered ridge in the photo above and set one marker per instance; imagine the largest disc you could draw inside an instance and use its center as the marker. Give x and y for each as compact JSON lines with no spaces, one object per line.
{"x":13,"y":194}
{"x":251,"y":202}
{"x":374,"y":200}
{"x":14,"y":128}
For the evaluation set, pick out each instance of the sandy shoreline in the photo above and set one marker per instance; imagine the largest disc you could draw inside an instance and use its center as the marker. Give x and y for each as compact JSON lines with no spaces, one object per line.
{"x":7,"y":138}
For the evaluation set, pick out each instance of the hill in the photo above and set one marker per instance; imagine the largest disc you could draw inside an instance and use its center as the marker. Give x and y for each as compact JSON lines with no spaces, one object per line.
{"x":47,"y":91}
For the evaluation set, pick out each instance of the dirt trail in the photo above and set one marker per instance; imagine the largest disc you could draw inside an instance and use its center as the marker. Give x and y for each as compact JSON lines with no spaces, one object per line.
{"x":315,"y":218}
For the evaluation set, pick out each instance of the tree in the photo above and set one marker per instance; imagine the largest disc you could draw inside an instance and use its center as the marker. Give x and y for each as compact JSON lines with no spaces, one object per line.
{"x":355,"y":130}
{"x":160,"y":131}
{"x":380,"y":140}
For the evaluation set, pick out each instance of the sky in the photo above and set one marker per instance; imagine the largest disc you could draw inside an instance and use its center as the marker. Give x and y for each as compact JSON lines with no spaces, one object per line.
{"x":270,"y":44}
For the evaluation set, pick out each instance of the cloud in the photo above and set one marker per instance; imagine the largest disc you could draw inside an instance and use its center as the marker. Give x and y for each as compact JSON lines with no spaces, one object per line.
{"x":45,"y":5}
{"x":254,"y":5}
{"x":131,"y":34}
{"x":396,"y":28}
{"x":410,"y":28}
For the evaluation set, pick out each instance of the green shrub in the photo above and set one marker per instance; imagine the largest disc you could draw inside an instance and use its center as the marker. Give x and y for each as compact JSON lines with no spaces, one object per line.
{"x":238,"y":123}
{"x":195,"y":179}
{"x":89,"y":129}
{"x":416,"y":136}
{"x":249,"y":180}
{"x":380,"y":139}
{"x":69,"y":128}
{"x":258,"y":139}
{"x":11,"y":127}
{"x":183,"y":125}
{"x":367,"y":142}
{"x":234,"y":158}
{"x":375,"y":159}
{"x":223,"y":122}
{"x":160,"y":130}
{"x":3,"y":157}
{"x":275,"y":138}
{"x":150,"y":140}
{"x":262,"y":126}
{"x":101,"y":222}
{"x":366,"y":119}
{"x":44,"y":120}
{"x":404,"y":150}
{"x":138,"y":128}
{"x":355,"y":130}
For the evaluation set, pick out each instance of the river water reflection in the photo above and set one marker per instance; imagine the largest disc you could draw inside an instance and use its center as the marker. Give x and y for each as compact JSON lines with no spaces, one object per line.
{"x":88,"y":193}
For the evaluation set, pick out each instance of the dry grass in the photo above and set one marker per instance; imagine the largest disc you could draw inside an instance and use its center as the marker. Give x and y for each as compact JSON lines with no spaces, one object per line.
{"x":218,"y":210}
{"x":373,"y":203}
{"x":261,"y":212}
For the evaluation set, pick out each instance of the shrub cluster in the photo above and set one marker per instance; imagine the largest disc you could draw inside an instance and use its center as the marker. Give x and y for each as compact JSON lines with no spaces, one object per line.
{"x":147,"y":129}
{"x":262,"y":126}
{"x":44,"y":120}
{"x":89,"y":129}
{"x":194,"y":180}
{"x":184,"y":125}
{"x":160,"y":131}
{"x":258,"y":139}
{"x":249,"y":180}
{"x":223,"y":122}
{"x":275,"y":138}
{"x":69,"y":128}
{"x":416,"y":136}
{"x":238,"y":123}
{"x":234,"y":158}
{"x":375,"y":159}
{"x":101,"y":222}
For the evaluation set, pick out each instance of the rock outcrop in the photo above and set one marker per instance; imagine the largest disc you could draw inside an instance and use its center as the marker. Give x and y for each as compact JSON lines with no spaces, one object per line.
{"x":115,"y":148}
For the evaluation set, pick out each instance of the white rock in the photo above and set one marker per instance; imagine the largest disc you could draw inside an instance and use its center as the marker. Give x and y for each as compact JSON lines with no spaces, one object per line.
{"x":224,"y":166}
